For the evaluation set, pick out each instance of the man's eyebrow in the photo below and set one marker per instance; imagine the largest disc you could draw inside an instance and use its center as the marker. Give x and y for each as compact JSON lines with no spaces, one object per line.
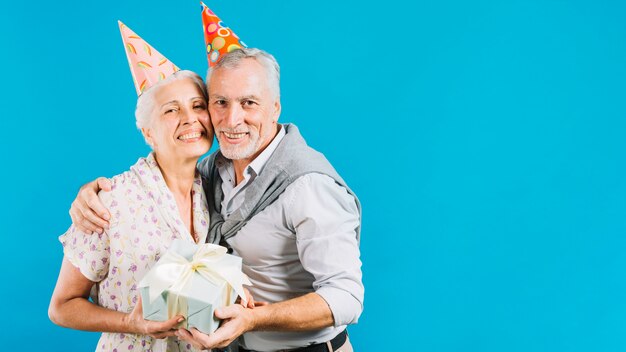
{"x":248,"y":97}
{"x":217,"y":96}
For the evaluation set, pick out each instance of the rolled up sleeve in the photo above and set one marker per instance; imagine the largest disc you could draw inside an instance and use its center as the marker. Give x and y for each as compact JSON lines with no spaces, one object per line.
{"x":325,"y":217}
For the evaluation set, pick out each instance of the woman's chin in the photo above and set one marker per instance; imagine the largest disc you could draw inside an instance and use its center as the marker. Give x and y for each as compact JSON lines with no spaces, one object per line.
{"x":196,"y":151}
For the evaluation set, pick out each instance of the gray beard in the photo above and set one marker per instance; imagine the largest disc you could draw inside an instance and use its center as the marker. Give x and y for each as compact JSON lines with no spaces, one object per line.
{"x":236,"y":153}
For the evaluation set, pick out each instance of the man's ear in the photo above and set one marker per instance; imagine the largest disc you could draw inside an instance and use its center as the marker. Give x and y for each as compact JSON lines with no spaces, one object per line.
{"x":147,"y":135}
{"x":277,"y":109}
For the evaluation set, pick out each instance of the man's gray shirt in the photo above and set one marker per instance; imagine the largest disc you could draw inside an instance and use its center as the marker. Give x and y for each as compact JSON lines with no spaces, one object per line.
{"x":305,"y":241}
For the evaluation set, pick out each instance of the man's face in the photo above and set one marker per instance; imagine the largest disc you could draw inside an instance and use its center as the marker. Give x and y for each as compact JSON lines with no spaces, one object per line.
{"x":243,"y":110}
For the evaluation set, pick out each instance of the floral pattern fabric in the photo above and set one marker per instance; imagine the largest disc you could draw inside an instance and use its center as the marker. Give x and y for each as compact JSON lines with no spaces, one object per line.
{"x":144,"y":221}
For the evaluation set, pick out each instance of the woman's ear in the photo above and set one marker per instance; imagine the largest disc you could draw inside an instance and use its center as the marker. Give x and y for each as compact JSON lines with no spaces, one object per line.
{"x":147,"y":135}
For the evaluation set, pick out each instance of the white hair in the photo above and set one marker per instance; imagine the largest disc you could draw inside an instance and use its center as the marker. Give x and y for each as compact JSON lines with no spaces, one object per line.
{"x":269,"y":63}
{"x":146,"y":104}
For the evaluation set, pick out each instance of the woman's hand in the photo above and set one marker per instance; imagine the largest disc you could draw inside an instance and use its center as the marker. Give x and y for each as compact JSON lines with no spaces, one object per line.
{"x":157,"y":329}
{"x":87,"y":212}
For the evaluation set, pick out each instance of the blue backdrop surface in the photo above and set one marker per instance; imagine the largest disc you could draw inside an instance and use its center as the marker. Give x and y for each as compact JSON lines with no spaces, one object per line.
{"x":485,"y":140}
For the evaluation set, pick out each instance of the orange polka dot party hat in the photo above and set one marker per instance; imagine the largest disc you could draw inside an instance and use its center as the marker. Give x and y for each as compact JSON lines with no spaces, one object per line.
{"x":218,"y":38}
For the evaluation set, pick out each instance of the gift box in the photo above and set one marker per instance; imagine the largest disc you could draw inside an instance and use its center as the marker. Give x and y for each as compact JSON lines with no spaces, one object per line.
{"x":192,"y":280}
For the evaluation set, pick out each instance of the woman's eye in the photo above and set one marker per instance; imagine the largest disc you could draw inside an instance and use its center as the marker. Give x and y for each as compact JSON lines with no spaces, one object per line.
{"x":200,"y":107}
{"x":170,"y":111}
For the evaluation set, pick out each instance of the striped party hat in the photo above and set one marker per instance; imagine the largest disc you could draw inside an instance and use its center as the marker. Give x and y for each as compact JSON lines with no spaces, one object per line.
{"x":219,"y":39}
{"x":147,"y":65}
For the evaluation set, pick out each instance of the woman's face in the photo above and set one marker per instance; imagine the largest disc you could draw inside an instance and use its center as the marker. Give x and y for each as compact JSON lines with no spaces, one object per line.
{"x":180,"y":128}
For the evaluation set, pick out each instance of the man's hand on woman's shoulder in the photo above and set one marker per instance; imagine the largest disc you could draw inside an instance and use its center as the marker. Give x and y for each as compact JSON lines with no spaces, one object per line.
{"x":87,"y":211}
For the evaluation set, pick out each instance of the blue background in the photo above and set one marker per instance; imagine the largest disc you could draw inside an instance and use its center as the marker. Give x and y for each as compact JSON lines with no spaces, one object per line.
{"x":484,"y":138}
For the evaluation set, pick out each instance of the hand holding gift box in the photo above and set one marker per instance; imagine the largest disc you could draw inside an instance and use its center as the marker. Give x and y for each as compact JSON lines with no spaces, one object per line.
{"x":192,"y":280}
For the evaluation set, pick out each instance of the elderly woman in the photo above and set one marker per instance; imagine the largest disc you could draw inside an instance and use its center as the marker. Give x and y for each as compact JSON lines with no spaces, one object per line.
{"x":158,"y":200}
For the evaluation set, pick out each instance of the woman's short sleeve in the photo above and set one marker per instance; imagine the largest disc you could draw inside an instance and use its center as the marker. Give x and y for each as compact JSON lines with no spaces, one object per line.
{"x":90,"y":253}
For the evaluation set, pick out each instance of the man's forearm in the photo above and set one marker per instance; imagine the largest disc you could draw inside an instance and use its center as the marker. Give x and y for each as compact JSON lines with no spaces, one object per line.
{"x":308,"y":312}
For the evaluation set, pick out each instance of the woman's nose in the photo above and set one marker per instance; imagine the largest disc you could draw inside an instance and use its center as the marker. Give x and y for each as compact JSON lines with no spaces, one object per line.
{"x":189,"y":116}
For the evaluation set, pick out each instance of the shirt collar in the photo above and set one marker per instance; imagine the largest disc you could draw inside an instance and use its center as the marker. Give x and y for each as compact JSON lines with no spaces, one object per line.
{"x":259,"y":162}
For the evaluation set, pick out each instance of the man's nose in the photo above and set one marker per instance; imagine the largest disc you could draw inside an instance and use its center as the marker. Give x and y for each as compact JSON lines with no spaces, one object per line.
{"x":234,"y":116}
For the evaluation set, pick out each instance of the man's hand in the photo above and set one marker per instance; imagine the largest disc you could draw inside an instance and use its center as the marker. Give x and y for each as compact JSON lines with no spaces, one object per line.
{"x":87,"y":212}
{"x":250,"y":302}
{"x":236,"y":321}
{"x":157,"y":329}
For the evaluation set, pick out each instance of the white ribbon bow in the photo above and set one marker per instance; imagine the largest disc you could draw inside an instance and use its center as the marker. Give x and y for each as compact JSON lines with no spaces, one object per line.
{"x":173,"y":272}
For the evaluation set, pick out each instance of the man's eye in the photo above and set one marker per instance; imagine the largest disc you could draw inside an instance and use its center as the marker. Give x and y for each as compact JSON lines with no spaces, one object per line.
{"x":220,"y":102}
{"x":248,"y":103}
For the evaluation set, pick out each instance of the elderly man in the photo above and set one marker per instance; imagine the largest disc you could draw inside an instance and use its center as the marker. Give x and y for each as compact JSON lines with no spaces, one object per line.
{"x":279,"y":205}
